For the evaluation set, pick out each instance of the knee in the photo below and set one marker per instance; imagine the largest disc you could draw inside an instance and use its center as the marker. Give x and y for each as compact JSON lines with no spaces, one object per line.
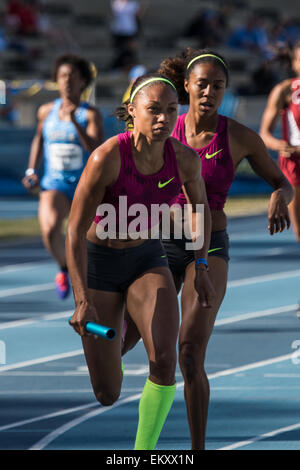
{"x":191,"y":359}
{"x":106,"y":393}
{"x":49,"y":232}
{"x":163,"y":367}
{"x":106,"y":398}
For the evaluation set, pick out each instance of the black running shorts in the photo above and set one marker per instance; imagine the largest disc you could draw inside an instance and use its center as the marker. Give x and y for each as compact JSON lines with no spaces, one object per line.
{"x":114,"y":269}
{"x":179,"y":257}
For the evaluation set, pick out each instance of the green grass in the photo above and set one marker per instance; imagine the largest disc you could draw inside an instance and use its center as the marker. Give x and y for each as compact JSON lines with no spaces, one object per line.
{"x":235,"y":207}
{"x":254,"y":205}
{"x":19,"y":228}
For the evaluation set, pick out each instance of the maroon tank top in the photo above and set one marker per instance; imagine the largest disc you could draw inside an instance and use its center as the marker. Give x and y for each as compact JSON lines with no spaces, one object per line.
{"x":148,"y":190}
{"x":217,"y":164}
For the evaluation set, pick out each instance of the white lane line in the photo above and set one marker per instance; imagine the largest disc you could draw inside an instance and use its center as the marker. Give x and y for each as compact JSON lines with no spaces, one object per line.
{"x":67,"y":426}
{"x":11,"y":268}
{"x":264,"y":278}
{"x":261,"y":437}
{"x":71,"y":424}
{"x":254,"y":365}
{"x":257,"y":314}
{"x":41,"y":360}
{"x":30,"y":321}
{"x":65,"y":314}
{"x":27,"y":289}
{"x":231,"y":284}
{"x":47,"y":416}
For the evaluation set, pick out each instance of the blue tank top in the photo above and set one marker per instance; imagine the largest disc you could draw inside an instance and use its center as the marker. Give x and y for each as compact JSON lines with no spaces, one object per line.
{"x":64,"y":155}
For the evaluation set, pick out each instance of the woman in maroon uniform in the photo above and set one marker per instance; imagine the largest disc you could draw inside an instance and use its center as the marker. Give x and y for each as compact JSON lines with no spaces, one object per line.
{"x":284,"y":100}
{"x":221,"y":143}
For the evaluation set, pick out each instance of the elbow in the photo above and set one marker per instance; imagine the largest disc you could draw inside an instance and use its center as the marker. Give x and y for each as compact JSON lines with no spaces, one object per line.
{"x":73,"y":234}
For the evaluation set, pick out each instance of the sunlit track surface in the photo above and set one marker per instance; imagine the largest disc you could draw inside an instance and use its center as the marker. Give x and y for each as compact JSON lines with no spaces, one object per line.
{"x":252,"y":363}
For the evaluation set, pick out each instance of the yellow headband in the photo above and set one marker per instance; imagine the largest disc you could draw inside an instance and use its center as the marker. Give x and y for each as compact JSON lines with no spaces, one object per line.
{"x":206,"y":55}
{"x":154,"y":79}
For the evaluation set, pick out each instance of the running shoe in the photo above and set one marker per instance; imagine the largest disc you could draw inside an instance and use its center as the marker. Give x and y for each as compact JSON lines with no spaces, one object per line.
{"x":62,"y":285}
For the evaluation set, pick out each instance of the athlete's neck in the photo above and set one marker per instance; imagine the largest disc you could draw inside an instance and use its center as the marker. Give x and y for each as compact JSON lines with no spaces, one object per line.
{"x":149,"y":149}
{"x":70,"y":101}
{"x":196,"y":122}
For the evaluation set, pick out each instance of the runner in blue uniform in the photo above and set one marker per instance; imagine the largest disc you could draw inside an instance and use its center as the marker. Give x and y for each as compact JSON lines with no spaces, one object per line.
{"x":68,"y":131}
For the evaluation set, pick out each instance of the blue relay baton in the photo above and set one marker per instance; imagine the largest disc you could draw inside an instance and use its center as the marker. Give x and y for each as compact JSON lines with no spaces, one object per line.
{"x":100,"y":330}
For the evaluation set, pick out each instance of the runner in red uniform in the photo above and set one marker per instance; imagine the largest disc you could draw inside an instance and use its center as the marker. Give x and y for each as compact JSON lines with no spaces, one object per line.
{"x":284,"y":100}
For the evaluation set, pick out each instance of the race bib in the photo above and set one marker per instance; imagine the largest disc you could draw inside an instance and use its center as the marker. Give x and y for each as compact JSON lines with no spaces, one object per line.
{"x":65,"y":157}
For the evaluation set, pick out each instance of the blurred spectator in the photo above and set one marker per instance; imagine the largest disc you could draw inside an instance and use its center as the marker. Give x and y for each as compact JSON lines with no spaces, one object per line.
{"x":208,"y":27}
{"x":22,"y":16}
{"x":135,"y":72}
{"x":251,"y":36}
{"x":285,"y":32}
{"x":10,"y":43}
{"x":261,"y":82}
{"x":61,"y":38}
{"x":125,"y":28}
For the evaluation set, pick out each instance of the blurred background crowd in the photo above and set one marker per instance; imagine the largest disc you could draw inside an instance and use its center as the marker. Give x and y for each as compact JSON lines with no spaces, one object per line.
{"x":116,"y":35}
{"x":124,"y":38}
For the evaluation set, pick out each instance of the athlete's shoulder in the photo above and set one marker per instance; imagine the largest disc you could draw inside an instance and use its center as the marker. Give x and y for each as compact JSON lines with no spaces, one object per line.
{"x":182,"y":149}
{"x":44,"y":110}
{"x":285,"y":85}
{"x":187,"y":158}
{"x":92,"y":110}
{"x":240,"y":133}
{"x":109,"y":148}
{"x":234,"y":127}
{"x":243,"y":140}
{"x":106,"y":157}
{"x":279,"y":95}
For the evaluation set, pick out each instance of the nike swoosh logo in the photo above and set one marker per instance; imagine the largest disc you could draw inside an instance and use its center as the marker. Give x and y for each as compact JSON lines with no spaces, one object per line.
{"x":214,"y":249}
{"x":208,"y":156}
{"x":162,"y":185}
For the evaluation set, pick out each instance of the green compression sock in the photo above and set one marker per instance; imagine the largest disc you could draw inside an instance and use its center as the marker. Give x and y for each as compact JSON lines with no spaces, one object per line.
{"x":154,"y":406}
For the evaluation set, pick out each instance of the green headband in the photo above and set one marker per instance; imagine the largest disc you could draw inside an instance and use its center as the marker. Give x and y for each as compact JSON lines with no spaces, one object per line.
{"x":154,"y":79}
{"x":206,"y":55}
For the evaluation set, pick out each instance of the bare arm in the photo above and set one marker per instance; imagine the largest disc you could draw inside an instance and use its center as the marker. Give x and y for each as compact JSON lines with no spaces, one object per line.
{"x":35,"y":154}
{"x":248,"y":144}
{"x":277,"y":100}
{"x":195,"y":192}
{"x":102,"y":169}
{"x":93,"y":135}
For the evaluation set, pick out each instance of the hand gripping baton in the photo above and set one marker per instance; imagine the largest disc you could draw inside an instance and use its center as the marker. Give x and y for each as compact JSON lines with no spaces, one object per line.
{"x":99,"y":330}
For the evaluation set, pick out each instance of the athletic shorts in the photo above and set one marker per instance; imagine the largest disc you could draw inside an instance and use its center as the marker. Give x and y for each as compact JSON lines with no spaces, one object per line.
{"x":290,"y":167}
{"x":65,"y":187}
{"x":179,"y":257}
{"x":115,"y":269}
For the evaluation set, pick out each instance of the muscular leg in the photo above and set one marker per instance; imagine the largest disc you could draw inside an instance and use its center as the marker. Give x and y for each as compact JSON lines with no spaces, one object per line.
{"x":195,"y":331}
{"x":54,"y":207}
{"x":294,"y":209}
{"x":103,"y":357}
{"x":152,"y":303}
{"x":133,"y":335}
